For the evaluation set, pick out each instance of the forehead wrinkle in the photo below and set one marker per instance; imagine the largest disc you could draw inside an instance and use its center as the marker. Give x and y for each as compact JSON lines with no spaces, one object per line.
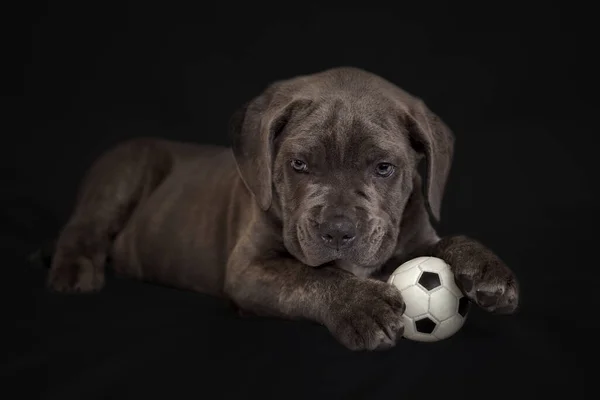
{"x":305,"y":144}
{"x":386,"y":145}
{"x":378,"y":123}
{"x":323,"y":115}
{"x":325,"y":130}
{"x":370,"y":140}
{"x":337,"y":115}
{"x":344,"y":132}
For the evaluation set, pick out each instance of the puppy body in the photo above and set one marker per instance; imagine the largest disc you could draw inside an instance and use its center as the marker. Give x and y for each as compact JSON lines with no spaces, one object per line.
{"x":318,"y":201}
{"x":183,"y":230}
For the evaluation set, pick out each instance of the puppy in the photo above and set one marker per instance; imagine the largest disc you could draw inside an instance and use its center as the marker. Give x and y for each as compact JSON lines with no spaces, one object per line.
{"x":318,"y":200}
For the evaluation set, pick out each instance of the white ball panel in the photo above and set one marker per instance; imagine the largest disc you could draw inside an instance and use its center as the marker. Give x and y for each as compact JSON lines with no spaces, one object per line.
{"x":443,"y":304}
{"x":417,"y":301}
{"x":433,"y":264}
{"x":449,"y":283}
{"x":406,"y":277}
{"x":449,"y":327}
{"x":415,"y":262}
{"x":447,"y":278}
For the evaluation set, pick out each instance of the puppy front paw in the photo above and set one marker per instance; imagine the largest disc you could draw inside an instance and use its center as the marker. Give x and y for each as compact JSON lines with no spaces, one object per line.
{"x":366,"y":315}
{"x":482,"y":275}
{"x":495,"y":290}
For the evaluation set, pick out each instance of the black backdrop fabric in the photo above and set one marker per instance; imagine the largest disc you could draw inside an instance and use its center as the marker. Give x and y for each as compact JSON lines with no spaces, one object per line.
{"x":515,"y":84}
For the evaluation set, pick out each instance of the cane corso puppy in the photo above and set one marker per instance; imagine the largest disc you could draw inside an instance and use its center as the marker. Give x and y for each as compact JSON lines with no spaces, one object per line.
{"x":319,"y":199}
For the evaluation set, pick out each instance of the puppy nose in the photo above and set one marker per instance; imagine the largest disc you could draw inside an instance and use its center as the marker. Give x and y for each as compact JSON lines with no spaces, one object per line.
{"x":337,"y":232}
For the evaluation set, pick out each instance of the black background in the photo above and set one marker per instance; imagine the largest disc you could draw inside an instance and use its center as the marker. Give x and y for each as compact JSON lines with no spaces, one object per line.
{"x":515,"y":83}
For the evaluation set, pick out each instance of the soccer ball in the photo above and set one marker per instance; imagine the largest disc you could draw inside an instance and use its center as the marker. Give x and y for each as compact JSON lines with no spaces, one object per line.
{"x":435,"y":307}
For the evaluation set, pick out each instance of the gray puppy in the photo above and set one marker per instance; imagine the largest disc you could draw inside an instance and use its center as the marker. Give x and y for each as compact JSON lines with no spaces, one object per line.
{"x":319,"y":200}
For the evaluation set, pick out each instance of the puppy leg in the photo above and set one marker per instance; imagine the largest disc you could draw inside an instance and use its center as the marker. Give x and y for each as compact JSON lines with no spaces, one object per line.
{"x":113,"y":187}
{"x":482,"y":275}
{"x":362,"y":314}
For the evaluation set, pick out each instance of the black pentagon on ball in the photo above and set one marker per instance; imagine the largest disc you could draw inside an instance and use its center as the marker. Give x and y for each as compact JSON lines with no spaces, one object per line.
{"x":430,"y":280}
{"x":425,"y":325}
{"x":463,"y":306}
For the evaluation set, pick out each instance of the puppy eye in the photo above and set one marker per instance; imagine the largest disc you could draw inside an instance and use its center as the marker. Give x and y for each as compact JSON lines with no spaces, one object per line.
{"x":384,"y":169}
{"x":299,"y":166}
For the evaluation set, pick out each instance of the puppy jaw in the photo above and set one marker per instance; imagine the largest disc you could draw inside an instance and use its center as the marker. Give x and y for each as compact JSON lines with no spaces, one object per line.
{"x":376,"y":235}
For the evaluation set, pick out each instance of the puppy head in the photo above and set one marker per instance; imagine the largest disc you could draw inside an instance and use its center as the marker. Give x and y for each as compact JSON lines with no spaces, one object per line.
{"x":334,"y":155}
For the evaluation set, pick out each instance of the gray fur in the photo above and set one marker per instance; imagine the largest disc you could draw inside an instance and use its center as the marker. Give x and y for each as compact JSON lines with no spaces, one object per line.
{"x":246,"y":224}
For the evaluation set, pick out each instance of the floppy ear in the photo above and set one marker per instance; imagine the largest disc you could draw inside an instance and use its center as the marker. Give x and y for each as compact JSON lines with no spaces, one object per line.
{"x":435,"y":140}
{"x":253,"y":129}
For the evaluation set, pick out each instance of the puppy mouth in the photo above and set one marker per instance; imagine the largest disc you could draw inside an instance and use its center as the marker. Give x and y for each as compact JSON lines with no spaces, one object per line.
{"x":376,"y":235}
{"x":326,"y":264}
{"x":316,"y":255}
{"x":311,"y":252}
